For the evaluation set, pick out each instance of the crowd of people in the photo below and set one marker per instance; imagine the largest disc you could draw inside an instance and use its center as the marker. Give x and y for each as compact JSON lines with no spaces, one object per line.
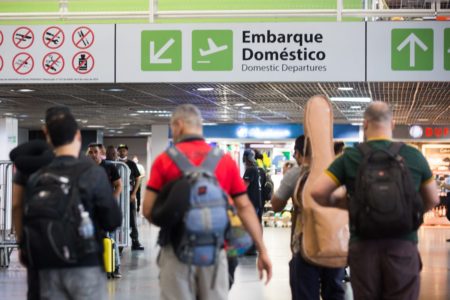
{"x":381,"y":268}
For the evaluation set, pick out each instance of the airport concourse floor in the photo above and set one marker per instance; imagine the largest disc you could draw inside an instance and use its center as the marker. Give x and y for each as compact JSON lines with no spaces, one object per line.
{"x":140,"y":272}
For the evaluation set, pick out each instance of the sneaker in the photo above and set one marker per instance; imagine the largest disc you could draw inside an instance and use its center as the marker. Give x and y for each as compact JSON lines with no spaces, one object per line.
{"x":117,"y":273}
{"x":137,"y":246}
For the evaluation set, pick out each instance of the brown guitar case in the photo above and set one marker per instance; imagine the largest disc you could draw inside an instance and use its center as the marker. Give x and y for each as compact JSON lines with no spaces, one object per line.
{"x":325,"y":233}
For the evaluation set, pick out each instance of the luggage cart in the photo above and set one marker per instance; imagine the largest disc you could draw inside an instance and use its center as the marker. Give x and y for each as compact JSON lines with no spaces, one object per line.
{"x":123,"y":232}
{"x":7,"y":237}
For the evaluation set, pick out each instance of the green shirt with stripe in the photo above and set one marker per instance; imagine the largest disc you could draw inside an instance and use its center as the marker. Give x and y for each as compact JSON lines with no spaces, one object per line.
{"x":344,"y":169}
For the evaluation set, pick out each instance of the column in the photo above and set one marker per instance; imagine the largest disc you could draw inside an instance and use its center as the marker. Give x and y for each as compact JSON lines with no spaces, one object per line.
{"x":157,"y":143}
{"x":8,"y":136}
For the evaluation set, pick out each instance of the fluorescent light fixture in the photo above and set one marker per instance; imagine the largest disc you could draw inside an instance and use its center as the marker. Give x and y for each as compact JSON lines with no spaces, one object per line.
{"x":205,"y":89}
{"x":355,"y":107}
{"x":125,"y":124}
{"x":112,"y":130}
{"x":351,"y":99}
{"x":95,"y":126}
{"x":120,"y":131}
{"x":133,"y":115}
{"x":145,"y":133}
{"x":25,"y":90}
{"x":153,"y":111}
{"x":23,"y":116}
{"x":356,"y":124}
{"x":84,"y":121}
{"x":239,"y":104}
{"x":209,"y":124}
{"x":345,"y":88}
{"x":113,"y":90}
{"x":8,"y":114}
{"x":246,"y":107}
{"x":422,"y":120}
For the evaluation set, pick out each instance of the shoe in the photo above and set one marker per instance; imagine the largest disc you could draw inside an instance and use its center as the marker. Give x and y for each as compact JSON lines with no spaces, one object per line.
{"x":137,"y":246}
{"x":117,"y":273}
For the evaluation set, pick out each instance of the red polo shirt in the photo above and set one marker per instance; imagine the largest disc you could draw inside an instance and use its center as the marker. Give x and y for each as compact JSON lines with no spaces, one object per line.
{"x":164,"y":169}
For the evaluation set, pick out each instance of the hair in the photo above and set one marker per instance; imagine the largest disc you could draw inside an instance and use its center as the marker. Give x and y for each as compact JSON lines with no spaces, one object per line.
{"x":378,"y":112}
{"x":111,"y":152}
{"x":302,"y":146}
{"x":189,"y":114}
{"x":338,"y":147}
{"x":61,"y":125}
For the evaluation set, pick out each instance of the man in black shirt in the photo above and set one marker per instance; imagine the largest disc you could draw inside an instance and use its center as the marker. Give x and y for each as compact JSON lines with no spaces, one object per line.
{"x":82,"y":279}
{"x":94,"y":151}
{"x":135,"y":178}
{"x":252,"y":178}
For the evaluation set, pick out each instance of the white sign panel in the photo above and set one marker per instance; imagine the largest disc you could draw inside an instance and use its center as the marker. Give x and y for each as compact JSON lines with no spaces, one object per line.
{"x":57,"y":54}
{"x":408,"y":51}
{"x":276,"y":52}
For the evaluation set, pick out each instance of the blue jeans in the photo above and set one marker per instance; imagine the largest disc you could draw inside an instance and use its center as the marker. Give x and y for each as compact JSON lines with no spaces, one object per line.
{"x":309,"y":282}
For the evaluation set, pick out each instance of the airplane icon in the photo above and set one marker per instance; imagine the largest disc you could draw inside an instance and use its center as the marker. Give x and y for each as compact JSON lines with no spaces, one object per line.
{"x":213,"y":48}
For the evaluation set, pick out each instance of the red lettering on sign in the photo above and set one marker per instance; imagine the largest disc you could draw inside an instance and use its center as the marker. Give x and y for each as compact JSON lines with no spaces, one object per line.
{"x":428,"y":131}
{"x":438,"y":132}
{"x":445,"y":131}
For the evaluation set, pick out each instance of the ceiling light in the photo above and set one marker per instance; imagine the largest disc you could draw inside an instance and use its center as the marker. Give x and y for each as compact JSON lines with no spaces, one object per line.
{"x":112,"y":90}
{"x":125,"y":124}
{"x":25,"y":90}
{"x":345,"y":88}
{"x":246,"y":107}
{"x":145,"y":133}
{"x":133,"y":115}
{"x":205,"y":89}
{"x":422,"y":120}
{"x":153,"y":111}
{"x":120,"y":131}
{"x":355,"y":107}
{"x":112,"y":130}
{"x":23,"y":116}
{"x":351,"y":99}
{"x":95,"y":126}
{"x":356,"y":124}
{"x":239,"y":104}
{"x":8,"y":114}
{"x":209,"y":124}
{"x":356,"y":119}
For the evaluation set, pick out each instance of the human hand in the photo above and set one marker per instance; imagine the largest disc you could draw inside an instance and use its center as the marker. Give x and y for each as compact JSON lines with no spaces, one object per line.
{"x":264,"y":263}
{"x":132,"y":198}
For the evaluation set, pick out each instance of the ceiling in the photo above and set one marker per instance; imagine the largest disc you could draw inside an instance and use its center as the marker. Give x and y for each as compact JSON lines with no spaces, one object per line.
{"x":127,"y":109}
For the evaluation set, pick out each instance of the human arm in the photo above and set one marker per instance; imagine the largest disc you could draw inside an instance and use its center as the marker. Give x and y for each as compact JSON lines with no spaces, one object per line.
{"x":17,"y":209}
{"x":149,"y":201}
{"x":286,"y":189}
{"x":117,"y":188}
{"x":250,"y":221}
{"x":325,"y":192}
{"x":430,"y":197}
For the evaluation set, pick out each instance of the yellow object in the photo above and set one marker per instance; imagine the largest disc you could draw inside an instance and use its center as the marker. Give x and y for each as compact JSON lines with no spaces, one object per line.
{"x":266,"y":160}
{"x":108,"y":255}
{"x":235,"y":221}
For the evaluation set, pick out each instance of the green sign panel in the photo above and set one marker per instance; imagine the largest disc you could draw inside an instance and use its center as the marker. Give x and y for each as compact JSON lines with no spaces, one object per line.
{"x":412,"y":49}
{"x":447,"y":49}
{"x":212,"y":50}
{"x":161,"y":50}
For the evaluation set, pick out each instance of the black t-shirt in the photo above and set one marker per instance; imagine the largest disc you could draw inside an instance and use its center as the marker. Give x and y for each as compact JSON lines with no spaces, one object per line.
{"x":111,"y":171}
{"x":253,"y":177}
{"x":134,"y":173}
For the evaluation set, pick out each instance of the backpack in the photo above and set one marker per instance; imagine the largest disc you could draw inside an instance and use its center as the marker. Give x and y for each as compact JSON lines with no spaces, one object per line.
{"x":267,"y":187}
{"x":200,"y":235}
{"x":51,"y":218}
{"x":385,"y":202}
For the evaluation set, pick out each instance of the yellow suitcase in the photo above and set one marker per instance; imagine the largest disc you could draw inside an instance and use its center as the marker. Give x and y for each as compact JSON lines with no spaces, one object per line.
{"x":108,"y":256}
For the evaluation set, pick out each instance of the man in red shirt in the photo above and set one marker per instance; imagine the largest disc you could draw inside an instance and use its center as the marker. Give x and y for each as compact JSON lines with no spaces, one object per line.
{"x":176,"y":280}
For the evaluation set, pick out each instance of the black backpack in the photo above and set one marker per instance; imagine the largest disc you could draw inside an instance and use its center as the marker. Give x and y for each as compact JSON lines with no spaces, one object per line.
{"x":385,"y":203}
{"x":51,"y":218}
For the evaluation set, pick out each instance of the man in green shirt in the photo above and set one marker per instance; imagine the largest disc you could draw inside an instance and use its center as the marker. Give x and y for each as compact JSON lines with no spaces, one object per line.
{"x":380,"y":268}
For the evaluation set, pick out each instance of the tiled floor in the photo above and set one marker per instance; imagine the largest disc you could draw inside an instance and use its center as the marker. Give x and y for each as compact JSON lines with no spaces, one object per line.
{"x":140,"y":272}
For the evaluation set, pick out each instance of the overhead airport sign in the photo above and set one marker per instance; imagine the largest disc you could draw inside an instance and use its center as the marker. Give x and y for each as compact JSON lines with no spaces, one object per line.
{"x":52,"y":54}
{"x":408,"y":51}
{"x":280,"y":52}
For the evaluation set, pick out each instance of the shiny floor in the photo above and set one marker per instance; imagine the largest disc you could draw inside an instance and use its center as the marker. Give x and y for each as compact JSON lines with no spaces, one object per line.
{"x":140,"y":273}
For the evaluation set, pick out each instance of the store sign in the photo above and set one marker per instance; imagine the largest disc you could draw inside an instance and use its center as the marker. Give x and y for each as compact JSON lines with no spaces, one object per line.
{"x":273,"y":132}
{"x":57,"y":54}
{"x":408,"y":51}
{"x":422,"y":132}
{"x":241,"y":52}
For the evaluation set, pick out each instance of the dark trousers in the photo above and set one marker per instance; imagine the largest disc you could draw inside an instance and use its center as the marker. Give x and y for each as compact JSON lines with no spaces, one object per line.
{"x":385,"y":269}
{"x":134,"y":231}
{"x":33,"y":284}
{"x":309,"y":282}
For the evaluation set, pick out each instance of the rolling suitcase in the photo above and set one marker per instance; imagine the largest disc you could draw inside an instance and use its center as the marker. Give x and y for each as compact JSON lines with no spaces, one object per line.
{"x":108,"y":256}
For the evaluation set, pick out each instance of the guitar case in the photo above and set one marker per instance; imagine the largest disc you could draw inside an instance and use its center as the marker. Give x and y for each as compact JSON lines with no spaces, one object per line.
{"x":325,"y":230}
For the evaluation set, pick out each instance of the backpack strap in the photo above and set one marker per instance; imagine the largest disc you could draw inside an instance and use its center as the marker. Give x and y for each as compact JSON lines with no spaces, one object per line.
{"x":213,"y":158}
{"x":365,"y":149}
{"x":180,"y":160}
{"x":395,"y":147}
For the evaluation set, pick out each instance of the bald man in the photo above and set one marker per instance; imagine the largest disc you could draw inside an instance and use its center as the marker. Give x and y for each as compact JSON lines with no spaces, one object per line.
{"x":382,"y":268}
